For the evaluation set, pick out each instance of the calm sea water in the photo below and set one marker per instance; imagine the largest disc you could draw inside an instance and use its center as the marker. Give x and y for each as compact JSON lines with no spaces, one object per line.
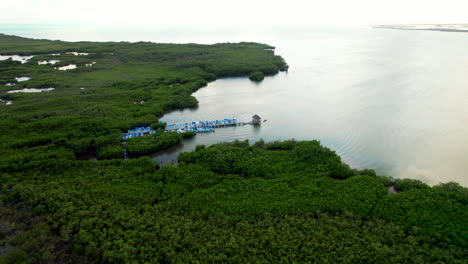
{"x":394,"y":101}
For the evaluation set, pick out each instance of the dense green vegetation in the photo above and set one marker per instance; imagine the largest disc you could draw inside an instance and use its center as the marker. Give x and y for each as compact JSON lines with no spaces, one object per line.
{"x":110,"y":152}
{"x":234,"y":203}
{"x":256,"y":76}
{"x":152,"y":143}
{"x":293,"y":202}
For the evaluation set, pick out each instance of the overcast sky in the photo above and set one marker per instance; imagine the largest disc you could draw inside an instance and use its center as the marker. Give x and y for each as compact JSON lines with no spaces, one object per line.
{"x":241,"y":12}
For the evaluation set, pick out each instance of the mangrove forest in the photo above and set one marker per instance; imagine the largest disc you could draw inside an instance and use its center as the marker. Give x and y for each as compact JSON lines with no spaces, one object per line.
{"x":236,"y":202}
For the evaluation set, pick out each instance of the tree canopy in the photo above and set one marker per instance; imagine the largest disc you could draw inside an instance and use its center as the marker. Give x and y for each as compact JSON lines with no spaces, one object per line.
{"x":256,"y":76}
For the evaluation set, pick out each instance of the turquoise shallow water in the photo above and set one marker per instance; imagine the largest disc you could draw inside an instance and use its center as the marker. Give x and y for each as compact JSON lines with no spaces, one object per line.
{"x":395,"y":101}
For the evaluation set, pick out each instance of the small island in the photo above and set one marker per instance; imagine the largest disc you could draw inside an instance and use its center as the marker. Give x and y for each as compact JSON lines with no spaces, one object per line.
{"x":256,"y":76}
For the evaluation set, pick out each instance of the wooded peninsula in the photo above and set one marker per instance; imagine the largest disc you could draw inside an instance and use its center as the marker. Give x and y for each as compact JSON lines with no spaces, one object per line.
{"x":267,"y":202}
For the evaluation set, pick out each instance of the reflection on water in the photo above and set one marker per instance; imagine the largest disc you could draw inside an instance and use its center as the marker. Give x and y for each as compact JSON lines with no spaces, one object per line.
{"x":22,"y":79}
{"x":31,"y":90}
{"x":22,"y":59}
{"x":43,"y":62}
{"x":5,"y":102}
{"x":78,"y":53}
{"x":395,"y":101}
{"x":66,"y":67}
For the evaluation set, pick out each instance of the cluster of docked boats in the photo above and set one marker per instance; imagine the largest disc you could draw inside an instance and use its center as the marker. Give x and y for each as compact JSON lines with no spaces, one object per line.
{"x":202,"y":126}
{"x":138,"y":132}
{"x":198,"y":127}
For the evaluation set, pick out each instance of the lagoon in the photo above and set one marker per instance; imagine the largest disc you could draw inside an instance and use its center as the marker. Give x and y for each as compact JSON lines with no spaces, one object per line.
{"x":390,"y":100}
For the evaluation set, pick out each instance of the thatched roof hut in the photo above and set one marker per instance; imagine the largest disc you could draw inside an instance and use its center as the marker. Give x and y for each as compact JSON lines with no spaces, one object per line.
{"x":256,"y":119}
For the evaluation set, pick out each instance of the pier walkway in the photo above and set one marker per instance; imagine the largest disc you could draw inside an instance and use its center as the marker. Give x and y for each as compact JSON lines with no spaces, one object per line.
{"x":203,"y":124}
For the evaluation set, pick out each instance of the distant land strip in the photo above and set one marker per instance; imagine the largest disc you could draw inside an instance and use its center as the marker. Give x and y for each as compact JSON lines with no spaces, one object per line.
{"x":443,"y":28}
